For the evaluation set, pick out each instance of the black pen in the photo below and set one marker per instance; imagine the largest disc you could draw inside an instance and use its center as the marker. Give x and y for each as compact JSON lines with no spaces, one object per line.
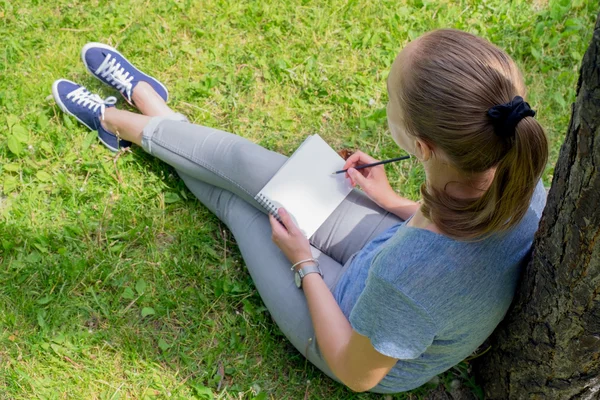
{"x":374,"y":164}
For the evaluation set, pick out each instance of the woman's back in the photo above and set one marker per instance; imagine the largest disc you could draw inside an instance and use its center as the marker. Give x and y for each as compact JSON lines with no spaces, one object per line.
{"x":439,"y":298}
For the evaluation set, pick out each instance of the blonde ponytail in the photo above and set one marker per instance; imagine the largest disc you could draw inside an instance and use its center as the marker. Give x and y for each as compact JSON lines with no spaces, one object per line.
{"x":505,"y":202}
{"x":454,"y":79}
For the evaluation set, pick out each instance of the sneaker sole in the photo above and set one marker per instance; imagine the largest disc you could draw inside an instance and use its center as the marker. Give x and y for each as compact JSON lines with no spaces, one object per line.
{"x":107,"y":47}
{"x":107,"y":146}
{"x":66,"y":110}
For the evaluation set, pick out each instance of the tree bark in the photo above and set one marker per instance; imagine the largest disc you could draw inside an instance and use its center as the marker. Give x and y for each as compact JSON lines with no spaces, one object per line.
{"x":548,"y":346}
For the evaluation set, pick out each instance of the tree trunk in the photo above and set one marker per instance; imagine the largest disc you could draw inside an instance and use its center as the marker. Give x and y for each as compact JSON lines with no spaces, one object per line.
{"x":548,"y":346}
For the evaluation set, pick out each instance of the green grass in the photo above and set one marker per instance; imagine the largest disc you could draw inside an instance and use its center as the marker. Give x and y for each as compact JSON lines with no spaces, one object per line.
{"x":114,"y":281}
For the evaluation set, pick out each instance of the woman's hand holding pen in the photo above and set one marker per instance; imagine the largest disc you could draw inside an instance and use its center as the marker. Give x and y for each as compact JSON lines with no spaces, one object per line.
{"x":373,"y":180}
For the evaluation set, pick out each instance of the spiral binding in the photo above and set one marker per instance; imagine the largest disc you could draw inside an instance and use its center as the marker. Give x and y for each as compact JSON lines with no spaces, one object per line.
{"x":268,"y":205}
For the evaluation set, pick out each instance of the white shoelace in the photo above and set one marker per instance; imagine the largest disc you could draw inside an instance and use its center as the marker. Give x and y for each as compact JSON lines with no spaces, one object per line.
{"x":112,"y":71}
{"x":89,"y":100}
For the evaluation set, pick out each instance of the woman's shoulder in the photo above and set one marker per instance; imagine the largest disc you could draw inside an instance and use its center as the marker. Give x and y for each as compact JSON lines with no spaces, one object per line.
{"x":413,"y":250}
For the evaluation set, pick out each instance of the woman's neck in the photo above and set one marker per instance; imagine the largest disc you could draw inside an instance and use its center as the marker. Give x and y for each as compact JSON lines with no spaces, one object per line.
{"x":442,"y":176}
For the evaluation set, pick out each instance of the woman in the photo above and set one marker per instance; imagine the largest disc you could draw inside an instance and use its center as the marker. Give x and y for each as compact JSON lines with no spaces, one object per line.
{"x":405,"y":290}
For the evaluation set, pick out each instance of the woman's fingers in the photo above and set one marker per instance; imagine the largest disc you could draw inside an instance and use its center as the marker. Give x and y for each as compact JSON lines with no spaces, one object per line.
{"x":355,"y":177}
{"x":350,"y":161}
{"x":287,"y":220}
{"x":278,"y":229}
{"x":286,"y":226}
{"x":358,"y":158}
{"x":353,"y":160}
{"x":367,"y":159}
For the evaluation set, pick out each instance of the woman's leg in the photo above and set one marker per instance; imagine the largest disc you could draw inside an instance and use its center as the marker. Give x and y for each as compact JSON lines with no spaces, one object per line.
{"x":225,"y":172}
{"x":130,"y":125}
{"x":268,"y":267}
{"x":219,"y":158}
{"x":239,"y":166}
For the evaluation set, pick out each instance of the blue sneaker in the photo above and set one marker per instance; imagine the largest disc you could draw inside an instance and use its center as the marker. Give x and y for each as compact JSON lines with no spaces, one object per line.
{"x":87,"y":108}
{"x":109,"y":66}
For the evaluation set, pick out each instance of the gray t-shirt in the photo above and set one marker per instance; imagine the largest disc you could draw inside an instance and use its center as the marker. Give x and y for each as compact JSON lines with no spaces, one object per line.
{"x":429,"y":300}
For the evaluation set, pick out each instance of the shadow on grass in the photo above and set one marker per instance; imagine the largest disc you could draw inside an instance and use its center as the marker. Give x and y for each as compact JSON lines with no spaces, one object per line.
{"x":141,"y":293}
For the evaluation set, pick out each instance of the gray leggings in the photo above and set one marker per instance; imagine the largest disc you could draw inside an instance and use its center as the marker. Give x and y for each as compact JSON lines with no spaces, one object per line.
{"x":225,"y":172}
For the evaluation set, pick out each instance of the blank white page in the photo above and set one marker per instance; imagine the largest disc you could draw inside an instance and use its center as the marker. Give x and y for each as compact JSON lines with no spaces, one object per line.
{"x":305,"y":187}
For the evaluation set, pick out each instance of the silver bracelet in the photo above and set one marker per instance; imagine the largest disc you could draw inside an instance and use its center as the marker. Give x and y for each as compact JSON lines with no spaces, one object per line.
{"x":303,"y":261}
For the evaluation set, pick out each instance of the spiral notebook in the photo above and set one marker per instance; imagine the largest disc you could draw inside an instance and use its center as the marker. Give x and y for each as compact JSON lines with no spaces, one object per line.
{"x":305,"y":187}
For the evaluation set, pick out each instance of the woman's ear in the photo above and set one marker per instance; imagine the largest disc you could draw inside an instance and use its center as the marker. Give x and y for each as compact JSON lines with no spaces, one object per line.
{"x":423,"y":151}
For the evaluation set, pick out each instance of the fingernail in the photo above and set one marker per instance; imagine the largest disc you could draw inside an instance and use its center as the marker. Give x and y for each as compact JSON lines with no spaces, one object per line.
{"x":281,"y":210}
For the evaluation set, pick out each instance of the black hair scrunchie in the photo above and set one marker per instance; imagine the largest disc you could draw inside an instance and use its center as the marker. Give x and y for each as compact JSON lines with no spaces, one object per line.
{"x":505,"y":117}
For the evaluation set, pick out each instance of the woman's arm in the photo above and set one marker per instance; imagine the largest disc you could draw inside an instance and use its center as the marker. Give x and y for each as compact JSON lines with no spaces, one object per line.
{"x":350,"y":356}
{"x":400,"y":206}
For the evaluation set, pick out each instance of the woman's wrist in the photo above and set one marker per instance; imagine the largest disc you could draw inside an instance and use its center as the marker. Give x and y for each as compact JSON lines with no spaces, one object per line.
{"x":390,"y":200}
{"x":302,"y":260}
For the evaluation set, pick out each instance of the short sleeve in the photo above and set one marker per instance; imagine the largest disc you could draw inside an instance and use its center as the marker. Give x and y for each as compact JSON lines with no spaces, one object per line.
{"x":397,"y":326}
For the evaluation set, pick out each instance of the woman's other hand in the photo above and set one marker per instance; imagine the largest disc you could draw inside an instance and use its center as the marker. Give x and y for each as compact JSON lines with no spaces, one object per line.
{"x":289,"y":238}
{"x":372,"y":180}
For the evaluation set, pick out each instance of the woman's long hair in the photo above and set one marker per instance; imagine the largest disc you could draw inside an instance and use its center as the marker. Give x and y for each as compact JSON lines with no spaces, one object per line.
{"x":446,"y":90}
